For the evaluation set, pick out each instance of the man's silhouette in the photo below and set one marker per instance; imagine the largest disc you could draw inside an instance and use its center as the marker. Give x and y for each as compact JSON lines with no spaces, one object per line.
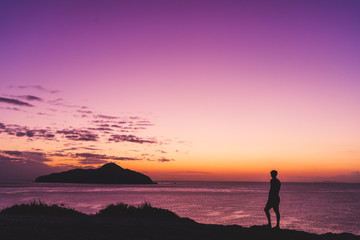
{"x":274,"y":199}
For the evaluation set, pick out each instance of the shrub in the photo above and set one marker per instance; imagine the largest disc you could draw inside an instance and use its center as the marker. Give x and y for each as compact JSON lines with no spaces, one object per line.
{"x":41,"y":208}
{"x":143,"y":210}
{"x":117,"y":209}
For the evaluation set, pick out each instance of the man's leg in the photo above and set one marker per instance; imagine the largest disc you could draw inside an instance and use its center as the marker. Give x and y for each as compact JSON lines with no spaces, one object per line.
{"x":277,"y":212}
{"x":266,"y":209}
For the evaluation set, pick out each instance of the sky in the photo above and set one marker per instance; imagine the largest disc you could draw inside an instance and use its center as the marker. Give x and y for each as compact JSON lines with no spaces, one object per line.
{"x":181,"y":90}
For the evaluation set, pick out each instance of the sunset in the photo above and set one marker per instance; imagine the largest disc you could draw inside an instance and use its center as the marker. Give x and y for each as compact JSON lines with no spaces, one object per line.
{"x":182,"y":91}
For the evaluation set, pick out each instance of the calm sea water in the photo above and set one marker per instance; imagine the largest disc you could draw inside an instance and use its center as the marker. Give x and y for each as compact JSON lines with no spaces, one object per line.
{"x":312,"y":207}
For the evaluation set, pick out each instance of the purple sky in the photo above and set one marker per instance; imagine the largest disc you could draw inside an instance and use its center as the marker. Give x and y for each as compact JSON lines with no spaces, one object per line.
{"x":243,"y":83}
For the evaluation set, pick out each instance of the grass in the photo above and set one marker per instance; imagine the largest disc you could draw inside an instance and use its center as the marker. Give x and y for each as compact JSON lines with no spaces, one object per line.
{"x":40,"y":208}
{"x":113,"y":210}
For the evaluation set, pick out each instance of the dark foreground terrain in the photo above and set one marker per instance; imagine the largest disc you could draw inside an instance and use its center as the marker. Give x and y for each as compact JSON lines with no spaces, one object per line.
{"x":112,"y":223}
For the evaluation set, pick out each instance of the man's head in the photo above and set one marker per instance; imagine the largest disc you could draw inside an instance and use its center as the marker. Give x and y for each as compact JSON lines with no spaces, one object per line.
{"x":274,"y":173}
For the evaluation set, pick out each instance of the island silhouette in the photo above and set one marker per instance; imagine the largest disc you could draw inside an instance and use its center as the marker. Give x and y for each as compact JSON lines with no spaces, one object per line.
{"x":110,"y":173}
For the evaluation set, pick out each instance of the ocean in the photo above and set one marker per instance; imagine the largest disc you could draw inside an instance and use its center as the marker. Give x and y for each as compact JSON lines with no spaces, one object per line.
{"x":312,"y":207}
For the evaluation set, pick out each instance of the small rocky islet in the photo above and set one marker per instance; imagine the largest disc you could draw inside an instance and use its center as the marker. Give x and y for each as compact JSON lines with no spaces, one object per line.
{"x":109,"y":173}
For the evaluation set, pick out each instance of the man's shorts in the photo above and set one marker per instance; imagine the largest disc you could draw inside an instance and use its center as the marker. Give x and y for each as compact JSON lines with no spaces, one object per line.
{"x":272,"y":203}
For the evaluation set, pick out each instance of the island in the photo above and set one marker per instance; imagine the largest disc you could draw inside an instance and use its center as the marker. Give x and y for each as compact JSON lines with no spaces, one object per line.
{"x":110,"y":173}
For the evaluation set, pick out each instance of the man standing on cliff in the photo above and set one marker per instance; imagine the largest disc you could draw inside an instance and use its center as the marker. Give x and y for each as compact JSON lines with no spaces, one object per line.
{"x":274,"y":199}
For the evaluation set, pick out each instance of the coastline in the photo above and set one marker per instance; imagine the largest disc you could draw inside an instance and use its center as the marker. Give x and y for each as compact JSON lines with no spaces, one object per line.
{"x":21,"y":226}
{"x":220,"y":210}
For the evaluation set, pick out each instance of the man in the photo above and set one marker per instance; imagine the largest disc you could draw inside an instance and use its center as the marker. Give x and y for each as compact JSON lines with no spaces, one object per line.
{"x":274,"y":199}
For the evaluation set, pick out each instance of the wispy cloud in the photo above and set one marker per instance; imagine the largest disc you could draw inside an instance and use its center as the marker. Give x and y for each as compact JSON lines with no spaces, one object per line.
{"x":31,"y":98}
{"x":41,"y":157}
{"x":37,"y":87}
{"x":85,"y":111}
{"x":21,"y":131}
{"x":79,"y":135}
{"x":144,"y":123}
{"x":94,"y":128}
{"x":61,"y":102}
{"x":130,"y":138}
{"x":92,"y":161}
{"x":105,"y":116}
{"x":26,"y":156}
{"x":26,"y":166}
{"x":80,"y":148}
{"x":104,"y":129}
{"x":103,"y":156}
{"x":165,"y":160}
{"x":4,"y":158}
{"x":91,"y":158}
{"x":11,"y":108}
{"x":15,"y":102}
{"x":13,"y":153}
{"x":35,"y":156}
{"x":82,"y":134}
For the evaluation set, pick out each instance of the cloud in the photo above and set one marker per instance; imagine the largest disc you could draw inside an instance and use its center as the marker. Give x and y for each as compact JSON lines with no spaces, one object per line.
{"x":124,"y":158}
{"x":144,"y":123}
{"x":44,"y":114}
{"x":30,"y":133}
{"x":15,"y":102}
{"x":79,"y":148}
{"x":13,"y":153}
{"x":116,"y":126}
{"x":105,"y":129}
{"x":109,"y":129}
{"x":165,"y":160}
{"x":91,"y":161}
{"x":25,"y":156}
{"x":35,"y":156}
{"x":37,"y":87}
{"x":85,"y":111}
{"x":102,"y":157}
{"x":16,"y":168}
{"x":12,"y":109}
{"x":79,"y":135}
{"x":129,"y":138}
{"x":6,"y":158}
{"x":135,"y":118}
{"x":28,"y":155}
{"x":21,"y":131}
{"x":91,"y":158}
{"x":89,"y":134}
{"x":20,"y":134}
{"x":31,"y":98}
{"x":105,"y":116}
{"x":132,"y":123}
{"x":57,"y":155}
{"x":60,"y":102}
{"x":91,"y":155}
